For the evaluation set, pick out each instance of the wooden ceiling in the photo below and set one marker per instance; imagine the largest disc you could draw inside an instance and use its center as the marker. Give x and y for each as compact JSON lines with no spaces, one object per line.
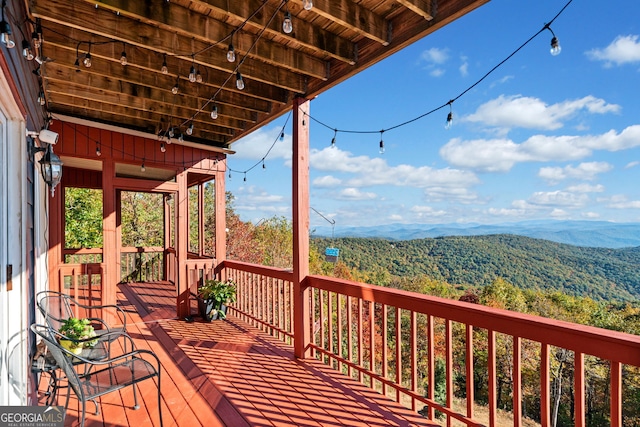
{"x":329,"y":43}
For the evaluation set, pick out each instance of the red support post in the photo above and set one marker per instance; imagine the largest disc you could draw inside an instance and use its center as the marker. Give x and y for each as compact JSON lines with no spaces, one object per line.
{"x":300,"y":214}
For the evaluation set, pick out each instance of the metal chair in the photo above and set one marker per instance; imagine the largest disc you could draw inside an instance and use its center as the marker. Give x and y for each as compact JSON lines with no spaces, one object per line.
{"x":102,"y":376}
{"x":56,"y":307}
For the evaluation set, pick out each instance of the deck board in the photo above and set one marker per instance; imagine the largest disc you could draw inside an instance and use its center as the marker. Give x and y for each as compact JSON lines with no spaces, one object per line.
{"x":228,"y":373}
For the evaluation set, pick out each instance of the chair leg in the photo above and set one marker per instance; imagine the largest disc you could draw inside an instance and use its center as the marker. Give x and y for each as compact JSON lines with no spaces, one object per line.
{"x":84,"y":405}
{"x":135,"y":399}
{"x":159,"y":401}
{"x":97,"y":412}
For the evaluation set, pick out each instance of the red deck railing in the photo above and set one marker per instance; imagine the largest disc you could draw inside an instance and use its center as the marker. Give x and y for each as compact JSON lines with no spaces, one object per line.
{"x":402,"y":344}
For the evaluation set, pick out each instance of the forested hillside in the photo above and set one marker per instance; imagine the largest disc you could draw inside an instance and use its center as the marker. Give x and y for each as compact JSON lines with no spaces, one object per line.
{"x":598,"y":273}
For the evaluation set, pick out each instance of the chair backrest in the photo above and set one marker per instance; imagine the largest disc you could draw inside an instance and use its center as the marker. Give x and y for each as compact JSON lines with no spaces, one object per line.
{"x":55,"y":307}
{"x":62,"y":357}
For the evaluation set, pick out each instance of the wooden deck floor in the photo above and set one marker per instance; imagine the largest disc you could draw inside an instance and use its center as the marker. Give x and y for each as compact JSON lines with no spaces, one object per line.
{"x":227,"y":373}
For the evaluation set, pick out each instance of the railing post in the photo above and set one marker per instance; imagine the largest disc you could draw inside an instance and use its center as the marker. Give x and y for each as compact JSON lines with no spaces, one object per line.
{"x":300,"y":205}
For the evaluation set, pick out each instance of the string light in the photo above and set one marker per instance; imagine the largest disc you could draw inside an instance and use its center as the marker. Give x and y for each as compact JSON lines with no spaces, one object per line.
{"x":214,"y":112}
{"x":287,"y":24}
{"x":98,"y":151}
{"x":239,"y":81}
{"x":164,"y":69}
{"x":381,"y":142}
{"x":190,"y":129}
{"x":87,"y":60}
{"x":162,"y":147}
{"x":41,"y":98}
{"x":123,"y":58}
{"x":142,"y":168}
{"x":198,"y":77}
{"x":231,"y":53}
{"x":333,"y":140}
{"x":307,"y":4}
{"x":555,"y":44}
{"x":36,"y":36}
{"x":192,"y":74}
{"x":176,"y":88}
{"x":5,"y":29}
{"x":245,"y":177}
{"x":449,"y":121}
{"x":282,"y":136}
{"x":26,"y":51}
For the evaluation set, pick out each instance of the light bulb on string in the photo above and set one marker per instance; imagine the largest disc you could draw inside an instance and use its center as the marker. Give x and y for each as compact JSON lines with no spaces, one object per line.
{"x":98,"y":151}
{"x":26,"y":51}
{"x":175,"y":89}
{"x":5,"y":29}
{"x":41,"y":98}
{"x":229,"y":174}
{"x":263,"y":165}
{"x":192,"y":74}
{"x":171,"y":133}
{"x":164,"y":69}
{"x":190,"y":129}
{"x":239,"y":81}
{"x":123,"y":58}
{"x":36,"y":38}
{"x":307,"y":4}
{"x":449,"y":123}
{"x":245,"y":177}
{"x":231,"y":53}
{"x":555,"y":44}
{"x":87,"y":60}
{"x":333,"y":140}
{"x":142,"y":168}
{"x":198,"y":77}
{"x":162,"y":147}
{"x":282,"y":136}
{"x":287,"y":24}
{"x":214,"y":112}
{"x":381,"y":143}
{"x":180,"y":138}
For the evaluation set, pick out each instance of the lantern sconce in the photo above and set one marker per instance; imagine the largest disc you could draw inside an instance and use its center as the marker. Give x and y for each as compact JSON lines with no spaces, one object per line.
{"x":50,"y":163}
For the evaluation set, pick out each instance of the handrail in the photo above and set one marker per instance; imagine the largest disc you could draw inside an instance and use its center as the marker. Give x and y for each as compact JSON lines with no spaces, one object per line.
{"x":620,"y":347}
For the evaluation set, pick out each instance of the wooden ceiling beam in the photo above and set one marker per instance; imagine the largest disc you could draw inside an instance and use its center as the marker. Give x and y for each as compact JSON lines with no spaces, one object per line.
{"x":107,"y":24}
{"x":176,"y":18}
{"x":423,"y":8}
{"x":304,"y":33}
{"x":104,"y":64}
{"x":58,"y":90}
{"x":355,"y":17}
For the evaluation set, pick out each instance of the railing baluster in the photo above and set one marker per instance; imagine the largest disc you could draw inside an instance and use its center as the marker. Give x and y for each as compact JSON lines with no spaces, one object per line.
{"x":449,"y":364}
{"x":432,"y":364}
{"x":469,"y":369}
{"x":359,"y":338}
{"x":330,"y":324}
{"x":491,"y":362}
{"x":339,"y":330}
{"x":578,"y":389}
{"x":414,"y":358}
{"x":349,"y":335}
{"x":517,"y":382}
{"x":372,"y":346}
{"x":398,"y":351}
{"x":616,"y":394}
{"x":545,"y":408}
{"x":385,"y":347}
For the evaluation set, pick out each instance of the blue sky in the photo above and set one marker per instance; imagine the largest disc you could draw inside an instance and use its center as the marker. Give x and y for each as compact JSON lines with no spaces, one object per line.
{"x":542,"y":137}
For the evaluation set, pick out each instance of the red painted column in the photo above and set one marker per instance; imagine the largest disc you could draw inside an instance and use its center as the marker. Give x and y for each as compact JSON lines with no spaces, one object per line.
{"x":220,"y":213}
{"x":182,"y":241}
{"x":300,"y":215}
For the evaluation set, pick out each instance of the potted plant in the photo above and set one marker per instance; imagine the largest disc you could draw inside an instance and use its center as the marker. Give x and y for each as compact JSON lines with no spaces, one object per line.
{"x":213,"y":297}
{"x":77,"y":333}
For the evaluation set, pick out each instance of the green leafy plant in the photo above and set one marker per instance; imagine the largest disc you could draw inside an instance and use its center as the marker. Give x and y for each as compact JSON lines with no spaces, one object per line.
{"x":223,"y":292}
{"x":78,"y":331}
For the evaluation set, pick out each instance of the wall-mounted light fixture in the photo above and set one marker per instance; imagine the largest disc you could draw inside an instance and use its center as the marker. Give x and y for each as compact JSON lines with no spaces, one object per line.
{"x":50,"y":163}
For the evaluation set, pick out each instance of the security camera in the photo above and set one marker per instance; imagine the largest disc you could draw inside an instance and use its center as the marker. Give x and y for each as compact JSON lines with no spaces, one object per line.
{"x":48,"y":137}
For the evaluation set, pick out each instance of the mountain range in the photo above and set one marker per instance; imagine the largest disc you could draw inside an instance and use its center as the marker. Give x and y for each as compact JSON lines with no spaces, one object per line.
{"x":599,"y":234}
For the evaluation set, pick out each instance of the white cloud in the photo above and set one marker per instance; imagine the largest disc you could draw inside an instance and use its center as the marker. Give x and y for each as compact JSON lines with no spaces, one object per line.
{"x":366,"y":171}
{"x":504,"y":212}
{"x":590,"y":215}
{"x":532,"y":113}
{"x":500,"y":155}
{"x":427,"y":212}
{"x":621,"y":201}
{"x":464,"y":67}
{"x":355,"y":194}
{"x":326,"y":181}
{"x":435,"y":56}
{"x":558,"y":213}
{"x":257,"y":144}
{"x":558,"y":198}
{"x":586,"y":188}
{"x":632,"y":164}
{"x":584,"y":171}
{"x":623,"y":50}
